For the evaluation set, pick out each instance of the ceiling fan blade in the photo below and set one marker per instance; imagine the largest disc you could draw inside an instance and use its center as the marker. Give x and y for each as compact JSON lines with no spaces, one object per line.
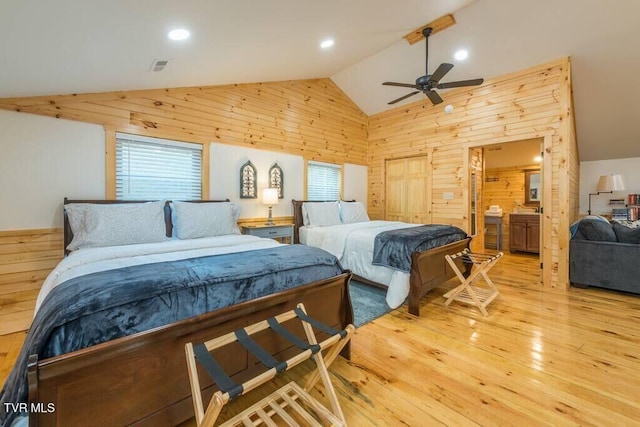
{"x":434,"y":97}
{"x":439,"y":73}
{"x":462,"y":83}
{"x":403,"y":97}
{"x":399,"y":84}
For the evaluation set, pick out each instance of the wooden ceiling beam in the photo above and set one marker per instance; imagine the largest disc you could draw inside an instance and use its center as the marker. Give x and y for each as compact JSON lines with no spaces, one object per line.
{"x":439,"y":24}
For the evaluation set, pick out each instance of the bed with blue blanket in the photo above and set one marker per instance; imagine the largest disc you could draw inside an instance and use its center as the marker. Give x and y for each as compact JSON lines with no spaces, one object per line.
{"x":405,"y":259}
{"x":107,"y":340}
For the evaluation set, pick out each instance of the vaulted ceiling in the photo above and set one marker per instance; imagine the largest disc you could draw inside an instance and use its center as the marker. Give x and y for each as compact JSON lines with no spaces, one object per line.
{"x":76,"y":46}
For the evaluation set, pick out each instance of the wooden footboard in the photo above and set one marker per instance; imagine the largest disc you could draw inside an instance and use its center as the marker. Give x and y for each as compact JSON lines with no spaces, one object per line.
{"x":142,"y":379}
{"x":429,"y":269}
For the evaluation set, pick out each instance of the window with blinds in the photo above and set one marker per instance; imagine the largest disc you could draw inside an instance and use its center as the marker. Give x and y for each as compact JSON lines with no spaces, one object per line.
{"x":153,"y":168}
{"x":323,"y":181}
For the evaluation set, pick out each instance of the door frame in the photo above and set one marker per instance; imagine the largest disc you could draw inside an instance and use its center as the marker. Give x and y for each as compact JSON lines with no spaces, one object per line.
{"x":545,"y":203}
{"x":478,"y":245}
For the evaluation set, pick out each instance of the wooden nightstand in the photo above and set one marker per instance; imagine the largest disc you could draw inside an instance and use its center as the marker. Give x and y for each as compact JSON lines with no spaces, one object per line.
{"x":278,"y":231}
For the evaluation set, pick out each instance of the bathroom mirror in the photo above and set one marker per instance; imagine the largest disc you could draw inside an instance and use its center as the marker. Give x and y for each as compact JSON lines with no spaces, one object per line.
{"x":532,"y":188}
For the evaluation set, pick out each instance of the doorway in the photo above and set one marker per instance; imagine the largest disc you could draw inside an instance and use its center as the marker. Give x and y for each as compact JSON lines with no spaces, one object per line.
{"x":511,"y":195}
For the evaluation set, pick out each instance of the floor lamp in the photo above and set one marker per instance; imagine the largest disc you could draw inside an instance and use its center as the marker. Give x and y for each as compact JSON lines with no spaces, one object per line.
{"x":607,"y":184}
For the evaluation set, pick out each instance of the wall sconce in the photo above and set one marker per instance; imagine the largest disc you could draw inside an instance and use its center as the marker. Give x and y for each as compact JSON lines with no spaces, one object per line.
{"x":270,"y":198}
{"x":607,"y":184}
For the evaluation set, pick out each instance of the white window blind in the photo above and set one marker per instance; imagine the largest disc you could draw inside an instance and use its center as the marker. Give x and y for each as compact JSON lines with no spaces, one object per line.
{"x":153,"y":168}
{"x":323,"y":181}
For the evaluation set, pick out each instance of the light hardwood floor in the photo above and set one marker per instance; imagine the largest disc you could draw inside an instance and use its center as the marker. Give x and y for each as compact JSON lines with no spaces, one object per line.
{"x":541,"y":357}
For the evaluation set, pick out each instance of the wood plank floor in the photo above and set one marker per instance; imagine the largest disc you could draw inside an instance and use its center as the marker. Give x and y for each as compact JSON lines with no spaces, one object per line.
{"x":541,"y":357}
{"x":18,"y":293}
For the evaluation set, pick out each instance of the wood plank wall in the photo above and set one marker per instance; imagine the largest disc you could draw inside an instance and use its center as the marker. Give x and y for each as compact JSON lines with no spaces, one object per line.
{"x":26,"y":257}
{"x":532,"y":103}
{"x":574,"y":169}
{"x":311,"y":118}
{"x":504,"y":192}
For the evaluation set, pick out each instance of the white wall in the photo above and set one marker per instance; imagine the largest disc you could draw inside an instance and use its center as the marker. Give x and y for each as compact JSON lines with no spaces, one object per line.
{"x":226,"y":161}
{"x":590,"y":172}
{"x":355,"y":183}
{"x":42,"y":160}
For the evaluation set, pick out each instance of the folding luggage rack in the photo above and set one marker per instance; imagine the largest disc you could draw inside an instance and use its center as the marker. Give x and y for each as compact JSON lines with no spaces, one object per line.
{"x":467,"y":292}
{"x":290,"y":404}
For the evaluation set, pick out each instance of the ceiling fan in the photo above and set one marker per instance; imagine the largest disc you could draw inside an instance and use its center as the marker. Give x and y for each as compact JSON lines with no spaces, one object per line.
{"x":428,"y":83}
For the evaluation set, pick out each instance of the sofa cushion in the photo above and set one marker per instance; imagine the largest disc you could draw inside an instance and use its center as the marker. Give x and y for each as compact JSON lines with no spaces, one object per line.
{"x":597,"y":230}
{"x":626,"y":234}
{"x":627,"y":223}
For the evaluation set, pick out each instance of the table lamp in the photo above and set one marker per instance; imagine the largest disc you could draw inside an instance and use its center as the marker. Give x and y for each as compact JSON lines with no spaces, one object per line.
{"x":607,"y":184}
{"x":270,"y":198}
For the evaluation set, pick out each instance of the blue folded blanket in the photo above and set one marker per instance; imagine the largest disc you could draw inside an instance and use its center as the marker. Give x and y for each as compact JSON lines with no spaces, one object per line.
{"x":394,"y":248}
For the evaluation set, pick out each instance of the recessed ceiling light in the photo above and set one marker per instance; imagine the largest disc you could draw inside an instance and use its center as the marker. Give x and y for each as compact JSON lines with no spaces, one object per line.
{"x":461,"y":55}
{"x":537,"y":159}
{"x":178,"y":34}
{"x":327,"y":43}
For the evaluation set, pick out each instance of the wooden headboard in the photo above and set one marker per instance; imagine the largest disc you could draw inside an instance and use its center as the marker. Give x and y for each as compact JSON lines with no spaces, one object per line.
{"x":68,"y":233}
{"x":297,"y":215}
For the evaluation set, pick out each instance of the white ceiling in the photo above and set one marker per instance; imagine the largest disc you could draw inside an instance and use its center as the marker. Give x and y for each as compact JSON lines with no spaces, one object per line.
{"x":74,"y":46}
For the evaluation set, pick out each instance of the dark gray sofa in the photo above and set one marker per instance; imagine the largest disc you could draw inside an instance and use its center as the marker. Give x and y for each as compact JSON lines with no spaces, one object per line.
{"x":600,"y":255}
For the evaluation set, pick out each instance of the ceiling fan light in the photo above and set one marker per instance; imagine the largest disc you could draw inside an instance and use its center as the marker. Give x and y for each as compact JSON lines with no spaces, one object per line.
{"x":461,"y":55}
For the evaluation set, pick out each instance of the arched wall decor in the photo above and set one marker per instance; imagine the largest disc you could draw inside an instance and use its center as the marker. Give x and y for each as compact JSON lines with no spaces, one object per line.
{"x":276,"y":179}
{"x":248,"y":181}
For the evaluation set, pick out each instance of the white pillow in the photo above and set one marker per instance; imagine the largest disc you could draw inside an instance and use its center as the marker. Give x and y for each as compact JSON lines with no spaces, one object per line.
{"x":305,"y":215}
{"x":196,"y":220}
{"x":236,"y":214}
{"x":353,"y":212}
{"x":98,"y":225}
{"x":323,"y":214}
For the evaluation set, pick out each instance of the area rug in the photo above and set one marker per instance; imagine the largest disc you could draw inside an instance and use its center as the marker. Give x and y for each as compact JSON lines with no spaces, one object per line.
{"x":368,"y":302}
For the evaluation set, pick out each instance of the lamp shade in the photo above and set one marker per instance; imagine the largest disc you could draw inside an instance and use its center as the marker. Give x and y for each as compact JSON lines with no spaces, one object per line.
{"x":270,"y":196}
{"x":608,"y":183}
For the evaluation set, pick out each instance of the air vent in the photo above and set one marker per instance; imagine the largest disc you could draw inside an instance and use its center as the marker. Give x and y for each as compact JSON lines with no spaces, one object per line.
{"x":159,"y":64}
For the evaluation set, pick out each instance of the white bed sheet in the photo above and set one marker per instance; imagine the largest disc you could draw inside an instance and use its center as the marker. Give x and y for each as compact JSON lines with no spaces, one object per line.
{"x":352,"y":244}
{"x":92,"y":260}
